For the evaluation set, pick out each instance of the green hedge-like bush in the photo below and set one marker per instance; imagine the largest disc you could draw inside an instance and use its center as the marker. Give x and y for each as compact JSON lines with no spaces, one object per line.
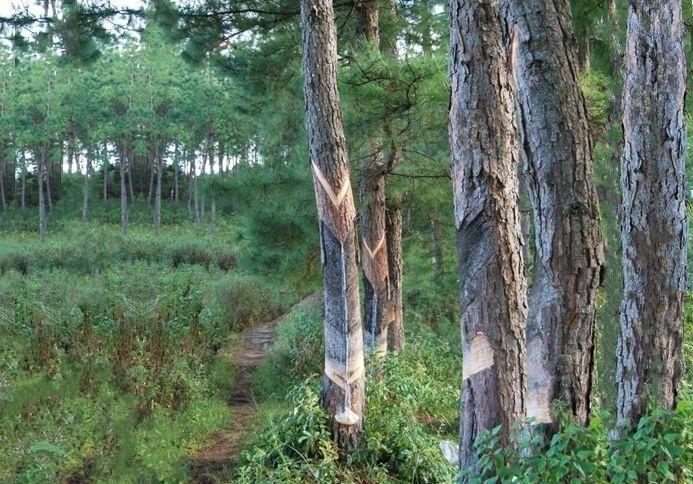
{"x":660,"y":450}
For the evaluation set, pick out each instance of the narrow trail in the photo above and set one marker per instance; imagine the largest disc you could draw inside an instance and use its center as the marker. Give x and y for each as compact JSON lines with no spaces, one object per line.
{"x":222,"y":454}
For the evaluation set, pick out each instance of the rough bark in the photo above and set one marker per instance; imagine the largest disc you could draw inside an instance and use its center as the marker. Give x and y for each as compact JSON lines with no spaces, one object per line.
{"x":393,"y":229}
{"x":344,"y":382}
{"x":569,"y":250}
{"x":372,"y":209}
{"x":654,"y":224}
{"x":367,"y":17}
{"x":374,"y":258}
{"x":483,"y":141}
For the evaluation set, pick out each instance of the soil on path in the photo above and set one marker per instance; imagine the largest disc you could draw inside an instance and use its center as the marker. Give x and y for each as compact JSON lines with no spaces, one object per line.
{"x":221,"y":456}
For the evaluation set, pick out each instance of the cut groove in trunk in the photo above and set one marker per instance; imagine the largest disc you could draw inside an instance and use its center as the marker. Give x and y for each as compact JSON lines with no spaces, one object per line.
{"x":343,"y":395}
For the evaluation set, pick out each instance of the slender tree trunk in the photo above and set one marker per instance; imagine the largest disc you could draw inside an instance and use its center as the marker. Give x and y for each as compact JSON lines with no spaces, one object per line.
{"x":654,"y":228}
{"x":191,"y":178}
{"x":23,"y":184}
{"x":105,"y":175}
{"x":372,"y":209}
{"x":123,"y":192}
{"x":85,"y":190}
{"x":174,"y":188}
{"x":343,"y":395}
{"x":130,"y":164}
{"x":41,"y":197}
{"x":157,"y":196}
{"x":47,"y":174}
{"x":70,"y":156}
{"x":374,"y":258}
{"x":485,"y":154}
{"x":152,"y":172}
{"x":393,"y":228}
{"x":560,"y":179}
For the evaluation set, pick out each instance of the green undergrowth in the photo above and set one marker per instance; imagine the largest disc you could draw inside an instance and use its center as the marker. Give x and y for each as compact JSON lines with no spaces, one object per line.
{"x":118,"y":369}
{"x":95,"y":248}
{"x":659,"y":450}
{"x":412,"y":404}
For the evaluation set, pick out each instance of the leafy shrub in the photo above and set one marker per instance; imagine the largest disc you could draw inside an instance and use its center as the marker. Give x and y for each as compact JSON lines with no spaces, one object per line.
{"x":414,"y":389}
{"x":660,"y":450}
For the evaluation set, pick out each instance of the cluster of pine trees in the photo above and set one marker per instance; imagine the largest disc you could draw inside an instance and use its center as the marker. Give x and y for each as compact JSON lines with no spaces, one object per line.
{"x":519,"y":128}
{"x":515,"y":95}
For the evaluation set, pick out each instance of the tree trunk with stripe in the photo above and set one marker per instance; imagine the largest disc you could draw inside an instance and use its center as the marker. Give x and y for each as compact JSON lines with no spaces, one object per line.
{"x":343,"y":394}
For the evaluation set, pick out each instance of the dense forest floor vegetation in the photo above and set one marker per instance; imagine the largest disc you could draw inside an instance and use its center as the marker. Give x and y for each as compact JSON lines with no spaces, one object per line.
{"x":117,"y":362}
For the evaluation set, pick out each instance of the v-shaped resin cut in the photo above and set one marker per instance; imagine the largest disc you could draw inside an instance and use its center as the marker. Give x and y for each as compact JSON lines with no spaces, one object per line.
{"x":372,"y":253}
{"x":336,"y":199}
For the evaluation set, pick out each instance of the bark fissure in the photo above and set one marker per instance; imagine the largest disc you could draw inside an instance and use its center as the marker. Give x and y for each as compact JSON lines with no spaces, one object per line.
{"x":485,"y":156}
{"x":654,"y":224}
{"x":560,"y":180}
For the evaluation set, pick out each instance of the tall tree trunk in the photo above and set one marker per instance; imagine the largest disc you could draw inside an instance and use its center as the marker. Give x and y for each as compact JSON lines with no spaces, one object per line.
{"x":105,"y":175}
{"x":47,"y":174}
{"x":654,"y":228}
{"x":343,"y":395}
{"x":374,"y":256}
{"x":41,"y":197}
{"x":157,"y":196}
{"x":123,"y":192}
{"x":85,"y":190}
{"x":191,"y":178}
{"x":569,"y":250}
{"x":130,"y":160}
{"x":372,"y":209}
{"x":23,"y":202}
{"x":152,"y":172}
{"x":393,"y":229}
{"x":485,"y":154}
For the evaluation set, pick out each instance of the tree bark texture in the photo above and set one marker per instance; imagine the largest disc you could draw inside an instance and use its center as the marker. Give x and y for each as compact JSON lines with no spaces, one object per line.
{"x":485,"y":153}
{"x":367,"y":19}
{"x":372,"y":209}
{"x":560,"y":178}
{"x":654,"y":224}
{"x":343,"y":393}
{"x":374,"y":257}
{"x":393,"y":236}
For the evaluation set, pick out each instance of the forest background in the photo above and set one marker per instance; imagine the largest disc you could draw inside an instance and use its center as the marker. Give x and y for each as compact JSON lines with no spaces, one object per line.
{"x":157,"y":200}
